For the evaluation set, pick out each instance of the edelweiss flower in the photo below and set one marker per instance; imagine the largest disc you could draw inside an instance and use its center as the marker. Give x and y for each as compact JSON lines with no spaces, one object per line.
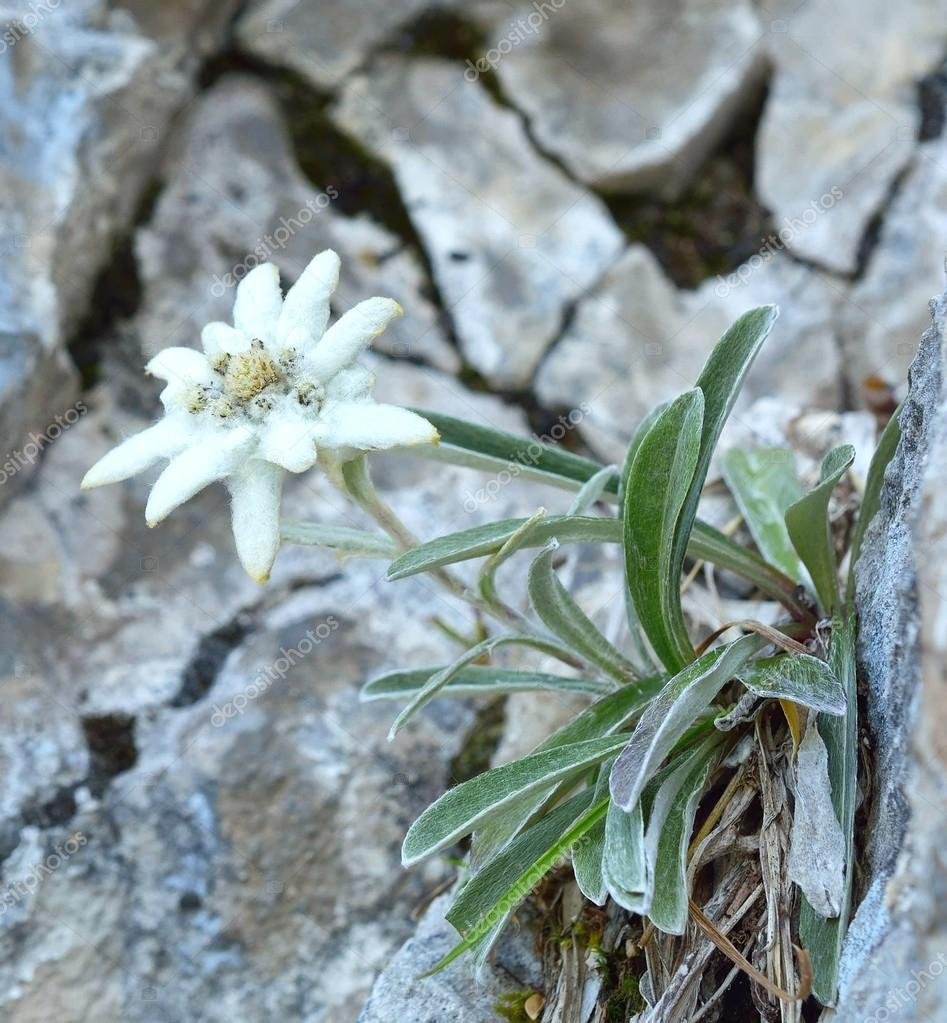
{"x":264,"y":397}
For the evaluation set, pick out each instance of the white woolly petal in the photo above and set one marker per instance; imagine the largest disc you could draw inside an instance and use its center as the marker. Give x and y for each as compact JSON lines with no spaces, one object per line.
{"x":258,"y":304}
{"x":368,"y":426}
{"x":181,"y":365}
{"x":305,"y":313}
{"x":218,"y":338}
{"x":289,"y":441}
{"x":163,"y":440}
{"x":255,"y":491}
{"x":351,"y":383}
{"x":344,"y":341}
{"x":194,"y":468}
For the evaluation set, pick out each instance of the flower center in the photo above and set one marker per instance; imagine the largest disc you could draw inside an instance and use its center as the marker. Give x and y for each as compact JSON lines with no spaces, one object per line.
{"x":250,"y":372}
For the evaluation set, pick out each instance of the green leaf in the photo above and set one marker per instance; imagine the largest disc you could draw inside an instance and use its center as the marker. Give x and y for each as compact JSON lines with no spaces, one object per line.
{"x":797,"y":677}
{"x":476,"y":680}
{"x":483,"y":891}
{"x":822,"y":937}
{"x":706,"y":544}
{"x":587,"y":854}
{"x":672,"y":711}
{"x":670,"y":823}
{"x":624,"y":864}
{"x":871,"y":499}
{"x":486,"y":581}
{"x":482,"y":935}
{"x":764,"y":484}
{"x":482,"y":447}
{"x":479,"y":541}
{"x":810,"y":530}
{"x":720,"y":382}
{"x":643,"y":657}
{"x":355,"y":542}
{"x":592,"y":490}
{"x":567,"y":621}
{"x":657,"y":487}
{"x":437,"y":682}
{"x":462,"y":808}
{"x":602,"y":718}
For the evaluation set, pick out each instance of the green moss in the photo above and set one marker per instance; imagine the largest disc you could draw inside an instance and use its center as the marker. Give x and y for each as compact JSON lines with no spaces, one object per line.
{"x":512,"y":1006}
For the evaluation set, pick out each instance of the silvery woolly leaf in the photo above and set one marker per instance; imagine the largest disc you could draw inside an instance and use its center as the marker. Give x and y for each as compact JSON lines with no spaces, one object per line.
{"x":685,"y":697}
{"x":461,"y":809}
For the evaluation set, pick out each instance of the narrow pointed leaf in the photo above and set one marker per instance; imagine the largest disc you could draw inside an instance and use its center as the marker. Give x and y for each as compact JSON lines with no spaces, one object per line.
{"x":486,"y":581}
{"x":706,"y":544}
{"x":592,"y":490}
{"x":764,"y":484}
{"x":462,"y":808}
{"x":720,"y":382}
{"x":810,"y":530}
{"x":823,"y":938}
{"x":484,"y":889}
{"x":355,"y":542}
{"x":482,"y":935}
{"x":464,"y":443}
{"x":871,"y":499}
{"x":673,"y":710}
{"x":480,"y":541}
{"x":643,"y":655}
{"x":797,"y":677}
{"x":656,"y":489}
{"x":670,"y":822}
{"x":476,"y":680}
{"x":437,"y":682}
{"x":569,"y":623}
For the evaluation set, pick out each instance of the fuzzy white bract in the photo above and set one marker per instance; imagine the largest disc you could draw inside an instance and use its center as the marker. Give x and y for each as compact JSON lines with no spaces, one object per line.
{"x":265,"y":396}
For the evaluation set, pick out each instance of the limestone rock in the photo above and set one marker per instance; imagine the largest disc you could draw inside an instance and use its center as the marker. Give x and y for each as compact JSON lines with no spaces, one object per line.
{"x":87,"y":91}
{"x":324,"y":41}
{"x":637,"y":340}
{"x":842,"y":116}
{"x":894,"y":952}
{"x":511,"y":240}
{"x":630,"y":97}
{"x":887,"y":314}
{"x":454,"y":993}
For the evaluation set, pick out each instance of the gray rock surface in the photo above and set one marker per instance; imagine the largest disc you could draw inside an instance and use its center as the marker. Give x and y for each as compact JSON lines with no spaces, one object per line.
{"x":887,"y":314}
{"x":637,"y":340}
{"x":630,"y":97}
{"x":894,"y":958}
{"x":87,"y":91}
{"x":456,"y":993}
{"x":324,"y":41}
{"x":512,"y":241}
{"x":842,"y":116}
